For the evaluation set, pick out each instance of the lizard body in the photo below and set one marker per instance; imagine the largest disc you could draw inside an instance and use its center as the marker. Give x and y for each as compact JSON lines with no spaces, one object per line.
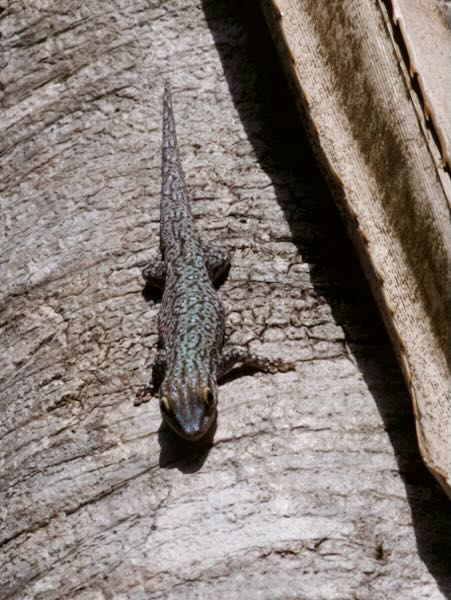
{"x":191,"y":321}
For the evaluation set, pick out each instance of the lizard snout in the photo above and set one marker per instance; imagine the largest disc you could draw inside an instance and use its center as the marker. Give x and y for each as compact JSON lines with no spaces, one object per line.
{"x":191,"y":417}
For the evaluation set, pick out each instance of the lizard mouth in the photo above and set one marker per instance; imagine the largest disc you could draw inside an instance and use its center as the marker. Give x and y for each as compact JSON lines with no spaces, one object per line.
{"x":193,"y":432}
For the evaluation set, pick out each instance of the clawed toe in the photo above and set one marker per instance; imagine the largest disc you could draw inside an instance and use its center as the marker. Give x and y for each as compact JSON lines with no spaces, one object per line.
{"x":144,"y":394}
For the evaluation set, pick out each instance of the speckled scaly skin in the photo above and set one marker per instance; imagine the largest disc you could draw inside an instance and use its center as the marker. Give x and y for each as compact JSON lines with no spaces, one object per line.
{"x":191,"y":321}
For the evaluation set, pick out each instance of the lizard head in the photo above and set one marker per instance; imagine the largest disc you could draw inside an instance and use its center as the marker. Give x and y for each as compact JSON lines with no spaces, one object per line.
{"x":190,"y":410}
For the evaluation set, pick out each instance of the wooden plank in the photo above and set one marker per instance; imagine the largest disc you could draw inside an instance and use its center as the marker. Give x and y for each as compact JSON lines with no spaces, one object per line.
{"x":363,"y":119}
{"x":427,"y":41}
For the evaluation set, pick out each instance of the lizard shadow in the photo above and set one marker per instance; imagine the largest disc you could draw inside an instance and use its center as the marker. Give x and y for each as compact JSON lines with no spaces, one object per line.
{"x":272,"y":124}
{"x":176,"y":453}
{"x":152,"y":294}
{"x":238,"y":372}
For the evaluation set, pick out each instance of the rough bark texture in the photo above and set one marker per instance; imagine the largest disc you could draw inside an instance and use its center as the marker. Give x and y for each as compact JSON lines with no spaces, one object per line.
{"x":313,"y":488}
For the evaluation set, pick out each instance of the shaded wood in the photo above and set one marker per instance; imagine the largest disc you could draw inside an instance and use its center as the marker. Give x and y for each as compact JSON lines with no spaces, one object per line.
{"x":391,"y":188}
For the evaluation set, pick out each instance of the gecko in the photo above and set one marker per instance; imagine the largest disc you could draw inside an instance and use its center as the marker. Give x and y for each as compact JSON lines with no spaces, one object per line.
{"x":191,"y":358}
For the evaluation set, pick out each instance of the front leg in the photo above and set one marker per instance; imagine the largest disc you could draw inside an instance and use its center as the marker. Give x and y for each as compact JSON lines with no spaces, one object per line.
{"x":217,"y":259}
{"x":234,"y":356}
{"x":158,"y":373}
{"x":155,"y":272}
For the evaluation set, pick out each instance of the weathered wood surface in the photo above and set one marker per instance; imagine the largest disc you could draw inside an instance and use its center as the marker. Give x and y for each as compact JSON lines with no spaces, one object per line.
{"x":314,"y":488}
{"x":369,"y":132}
{"x":421,"y":32}
{"x":423,"y":28}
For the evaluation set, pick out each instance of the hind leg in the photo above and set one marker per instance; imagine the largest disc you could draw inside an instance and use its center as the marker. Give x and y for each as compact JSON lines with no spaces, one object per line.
{"x":217,"y":259}
{"x":235,"y":356}
{"x":155,"y":272}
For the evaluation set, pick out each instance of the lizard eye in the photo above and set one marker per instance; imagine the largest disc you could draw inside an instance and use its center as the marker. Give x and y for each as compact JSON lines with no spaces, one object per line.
{"x":165,"y":405}
{"x":208,"y":397}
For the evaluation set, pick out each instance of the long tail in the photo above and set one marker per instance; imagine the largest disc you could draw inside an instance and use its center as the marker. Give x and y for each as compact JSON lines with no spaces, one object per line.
{"x":173,"y":179}
{"x":175,"y":219}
